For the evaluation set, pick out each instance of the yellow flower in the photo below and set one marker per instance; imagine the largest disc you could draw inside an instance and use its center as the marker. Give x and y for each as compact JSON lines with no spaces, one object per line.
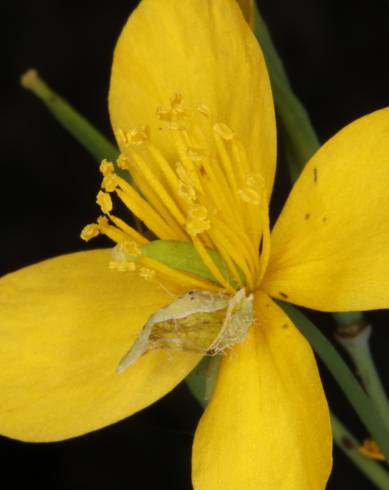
{"x":204,"y":166}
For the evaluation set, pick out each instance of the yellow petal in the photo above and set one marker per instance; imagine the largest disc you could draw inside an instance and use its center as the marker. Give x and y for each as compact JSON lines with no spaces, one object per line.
{"x":267,"y":425}
{"x":204,"y":51}
{"x":64,"y":325}
{"x":330,"y":246}
{"x":247,"y":7}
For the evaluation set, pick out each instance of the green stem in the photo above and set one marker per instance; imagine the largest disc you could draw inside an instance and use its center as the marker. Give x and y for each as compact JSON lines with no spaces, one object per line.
{"x":346,"y":380}
{"x":69,"y":118}
{"x":357,"y":345}
{"x":202,"y":380}
{"x":349,"y":445}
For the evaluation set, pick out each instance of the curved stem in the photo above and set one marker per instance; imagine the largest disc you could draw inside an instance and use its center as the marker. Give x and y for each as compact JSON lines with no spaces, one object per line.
{"x":357,"y":344}
{"x":79,"y":127}
{"x":349,"y":446}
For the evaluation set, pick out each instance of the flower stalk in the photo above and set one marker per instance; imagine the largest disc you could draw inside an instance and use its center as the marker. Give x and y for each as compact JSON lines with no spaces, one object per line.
{"x":348,"y":444}
{"x":77,"y":125}
{"x":355,"y":339}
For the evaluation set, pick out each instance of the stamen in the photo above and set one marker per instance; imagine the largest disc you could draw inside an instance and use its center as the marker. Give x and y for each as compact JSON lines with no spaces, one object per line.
{"x":110,"y":231}
{"x":157,"y":205}
{"x":204,"y":110}
{"x":159,"y":189}
{"x":128,"y":230}
{"x":104,"y":201}
{"x":250,"y":195}
{"x":122,"y":162}
{"x":207,"y":259}
{"x":146,"y":273}
{"x":182,"y":279}
{"x":122,"y":266}
{"x":106,"y":167}
{"x":110,"y":182}
{"x":197,"y":221}
{"x":138,"y":136}
{"x":176,"y":116}
{"x":207,"y":193}
{"x":223,"y":131}
{"x":121,"y":137}
{"x":90,"y":231}
{"x":185,"y":160}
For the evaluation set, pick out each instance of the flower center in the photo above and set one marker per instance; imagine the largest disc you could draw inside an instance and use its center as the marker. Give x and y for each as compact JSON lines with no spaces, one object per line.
{"x":206,"y":192}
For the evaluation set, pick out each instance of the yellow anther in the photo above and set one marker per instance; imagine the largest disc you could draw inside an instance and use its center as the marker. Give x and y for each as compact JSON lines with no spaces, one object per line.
{"x":223,"y":131}
{"x":106,"y":167}
{"x":90,"y":231}
{"x":256,"y":181}
{"x":123,"y":162}
{"x":130,"y":248}
{"x":176,"y":101}
{"x":110,"y":182}
{"x":211,"y":197}
{"x":176,"y":115}
{"x":187,"y":192}
{"x":138,"y":136}
{"x":198,"y":220}
{"x":121,"y":137}
{"x":102,"y":221}
{"x":123,"y":255}
{"x":104,"y":201}
{"x":204,"y":110}
{"x":196,"y":154}
{"x":146,"y":273}
{"x":122,"y":266}
{"x":250,"y":195}
{"x":183,"y":174}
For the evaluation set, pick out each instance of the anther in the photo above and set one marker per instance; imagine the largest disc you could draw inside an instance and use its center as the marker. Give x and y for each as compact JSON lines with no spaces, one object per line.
{"x":197,"y":221}
{"x":106,"y":167}
{"x":204,"y":110}
{"x":121,"y":137}
{"x":125,"y":251}
{"x":102,"y":221}
{"x":122,"y":162}
{"x":187,"y":192}
{"x":223,"y":131}
{"x":110,"y":182}
{"x":138,"y":136}
{"x":146,"y":273}
{"x":250,"y":195}
{"x":196,"y":154}
{"x":122,"y":266}
{"x":104,"y":201}
{"x":89,"y":231}
{"x":176,"y":115}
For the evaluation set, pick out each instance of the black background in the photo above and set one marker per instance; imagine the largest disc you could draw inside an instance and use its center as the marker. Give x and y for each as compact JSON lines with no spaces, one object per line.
{"x":336,"y":54}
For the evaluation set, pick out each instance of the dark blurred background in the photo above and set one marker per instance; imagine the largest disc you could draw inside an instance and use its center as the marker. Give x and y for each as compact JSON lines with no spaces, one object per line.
{"x":336,"y":55}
